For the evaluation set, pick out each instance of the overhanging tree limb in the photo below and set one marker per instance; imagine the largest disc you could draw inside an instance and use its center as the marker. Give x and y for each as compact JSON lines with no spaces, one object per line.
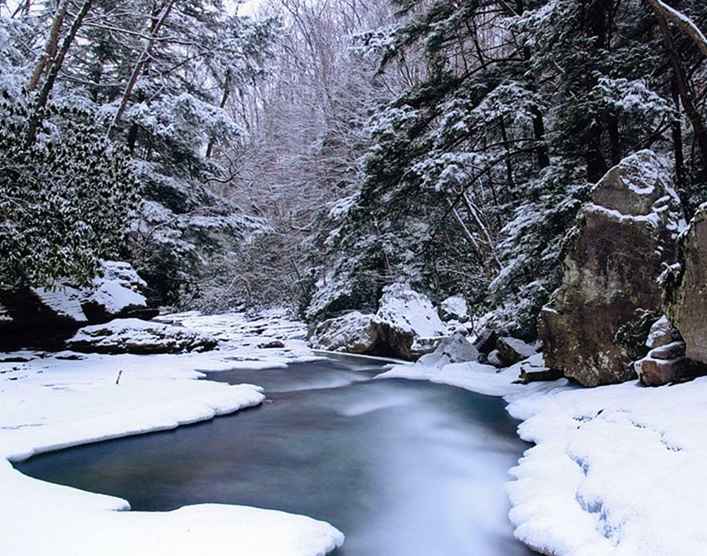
{"x":684,"y":23}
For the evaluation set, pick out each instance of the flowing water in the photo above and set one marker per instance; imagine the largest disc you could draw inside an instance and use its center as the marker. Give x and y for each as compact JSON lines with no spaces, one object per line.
{"x":402,"y":468}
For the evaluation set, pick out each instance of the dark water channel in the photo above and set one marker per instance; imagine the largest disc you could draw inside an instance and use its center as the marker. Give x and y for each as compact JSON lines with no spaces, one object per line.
{"x":402,"y":468}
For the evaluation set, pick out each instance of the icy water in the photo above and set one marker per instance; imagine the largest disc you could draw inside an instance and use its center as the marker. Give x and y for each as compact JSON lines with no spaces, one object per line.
{"x":402,"y":468}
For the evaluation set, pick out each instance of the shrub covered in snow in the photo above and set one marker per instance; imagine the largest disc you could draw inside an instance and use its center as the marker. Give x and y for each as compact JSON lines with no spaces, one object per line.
{"x":65,"y":198}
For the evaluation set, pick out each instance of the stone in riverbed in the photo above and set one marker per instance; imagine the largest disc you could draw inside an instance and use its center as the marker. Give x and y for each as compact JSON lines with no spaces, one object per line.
{"x":454,"y":308}
{"x":138,"y":337}
{"x":612,"y":261}
{"x":453,"y":349}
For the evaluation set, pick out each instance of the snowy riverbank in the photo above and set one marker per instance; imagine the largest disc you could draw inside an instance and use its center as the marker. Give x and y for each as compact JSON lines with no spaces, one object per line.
{"x":49,"y":402}
{"x":615,"y":470}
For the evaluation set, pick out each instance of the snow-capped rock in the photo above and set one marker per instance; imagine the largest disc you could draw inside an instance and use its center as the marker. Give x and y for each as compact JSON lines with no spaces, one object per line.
{"x":662,"y":332}
{"x":353,"y":332}
{"x":404,"y":317}
{"x":512,"y":350}
{"x":138,"y":337}
{"x":622,"y":241}
{"x":454,"y":308}
{"x":52,"y":314}
{"x":454,"y":349}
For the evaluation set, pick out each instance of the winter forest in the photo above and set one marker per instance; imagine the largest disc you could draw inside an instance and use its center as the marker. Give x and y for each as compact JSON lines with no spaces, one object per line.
{"x":477,"y":226}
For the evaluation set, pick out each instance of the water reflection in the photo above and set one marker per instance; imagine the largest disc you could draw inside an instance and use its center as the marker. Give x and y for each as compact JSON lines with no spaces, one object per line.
{"x":402,"y":468}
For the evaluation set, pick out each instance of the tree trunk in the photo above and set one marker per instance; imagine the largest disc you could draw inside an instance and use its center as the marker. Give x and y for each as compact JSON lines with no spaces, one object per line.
{"x":43,"y":96}
{"x":140,"y":65}
{"x":50,"y":49}
{"x":222,"y":105}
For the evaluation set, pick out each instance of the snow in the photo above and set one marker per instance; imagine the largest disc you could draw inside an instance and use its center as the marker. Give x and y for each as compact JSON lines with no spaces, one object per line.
{"x":50,"y":402}
{"x":114,"y":289}
{"x":616,"y":470}
{"x":404,"y":309}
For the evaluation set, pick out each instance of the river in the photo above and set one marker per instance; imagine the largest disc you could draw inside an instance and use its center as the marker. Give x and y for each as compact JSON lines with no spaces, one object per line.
{"x":402,"y":468}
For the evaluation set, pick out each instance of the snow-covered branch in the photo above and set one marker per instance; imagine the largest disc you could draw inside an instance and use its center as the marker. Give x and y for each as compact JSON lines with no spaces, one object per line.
{"x":682,"y":21}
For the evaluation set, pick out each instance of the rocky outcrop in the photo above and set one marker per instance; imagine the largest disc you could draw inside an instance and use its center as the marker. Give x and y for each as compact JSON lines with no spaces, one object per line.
{"x":51,"y":315}
{"x":687,"y":289}
{"x":612,"y":260}
{"x":138,"y":337}
{"x":351,"y":333}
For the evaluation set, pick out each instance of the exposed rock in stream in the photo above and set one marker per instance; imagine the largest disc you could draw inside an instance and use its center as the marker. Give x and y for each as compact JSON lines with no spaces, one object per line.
{"x":138,"y":337}
{"x":622,"y":241}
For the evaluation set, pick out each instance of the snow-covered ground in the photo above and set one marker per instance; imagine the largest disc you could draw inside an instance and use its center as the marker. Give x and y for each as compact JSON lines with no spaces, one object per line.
{"x":53,"y":401}
{"x":616,"y":470}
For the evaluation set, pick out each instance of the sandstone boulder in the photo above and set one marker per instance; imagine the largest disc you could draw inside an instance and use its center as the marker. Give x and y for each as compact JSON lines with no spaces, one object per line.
{"x":612,"y":260}
{"x":138,"y":337}
{"x":664,"y":364}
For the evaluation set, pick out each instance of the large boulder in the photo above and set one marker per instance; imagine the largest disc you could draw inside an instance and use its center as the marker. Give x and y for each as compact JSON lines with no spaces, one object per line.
{"x":405,"y":326}
{"x":406,"y":323}
{"x":138,"y":337}
{"x":687,"y":290}
{"x":50,"y":315}
{"x":353,"y":332}
{"x":622,"y":241}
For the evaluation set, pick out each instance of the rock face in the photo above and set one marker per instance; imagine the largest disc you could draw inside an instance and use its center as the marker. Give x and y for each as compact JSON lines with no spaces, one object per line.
{"x":612,"y":260}
{"x":54,"y":314}
{"x":687,"y":295}
{"x":138,"y":337}
{"x":351,"y":333}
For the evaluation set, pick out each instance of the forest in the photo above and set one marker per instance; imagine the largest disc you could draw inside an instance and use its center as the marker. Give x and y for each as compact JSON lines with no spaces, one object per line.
{"x":503,"y":197}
